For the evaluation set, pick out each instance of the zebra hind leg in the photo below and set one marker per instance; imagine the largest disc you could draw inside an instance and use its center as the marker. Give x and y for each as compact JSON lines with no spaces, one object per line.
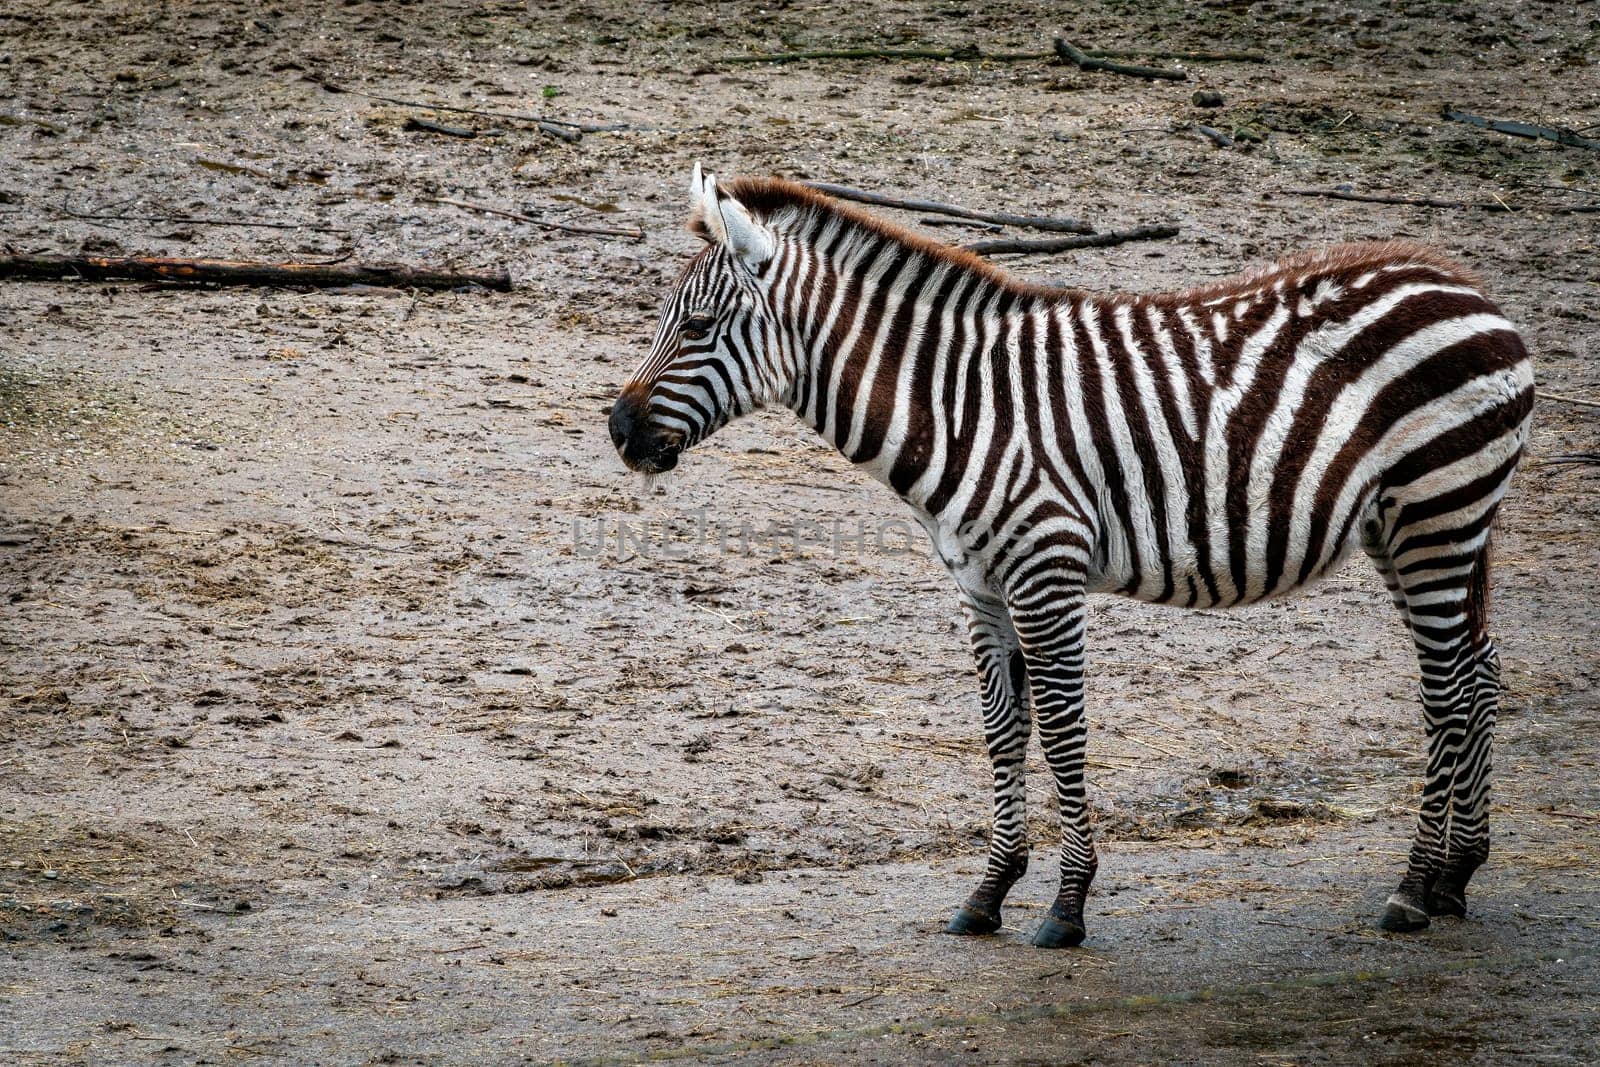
{"x":1407,"y":907}
{"x":1003,"y":680}
{"x":1469,"y":812}
{"x":1445,"y":608}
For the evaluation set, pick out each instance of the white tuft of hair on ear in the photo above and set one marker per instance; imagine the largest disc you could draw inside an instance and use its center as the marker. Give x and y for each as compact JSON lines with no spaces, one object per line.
{"x":728,"y":222}
{"x":751,"y":243}
{"x":706,"y":204}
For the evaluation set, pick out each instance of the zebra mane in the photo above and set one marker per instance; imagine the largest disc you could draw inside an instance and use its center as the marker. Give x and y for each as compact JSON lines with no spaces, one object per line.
{"x":791,"y":207}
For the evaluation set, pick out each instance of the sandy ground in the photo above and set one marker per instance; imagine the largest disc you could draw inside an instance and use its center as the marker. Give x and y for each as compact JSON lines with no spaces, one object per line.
{"x":341,"y":724}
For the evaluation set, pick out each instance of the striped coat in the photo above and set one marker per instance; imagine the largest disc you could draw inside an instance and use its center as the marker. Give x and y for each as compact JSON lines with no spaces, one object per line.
{"x":1205,"y":448}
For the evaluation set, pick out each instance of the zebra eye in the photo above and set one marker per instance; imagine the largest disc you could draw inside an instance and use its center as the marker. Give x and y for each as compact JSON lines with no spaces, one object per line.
{"x":696,"y":327}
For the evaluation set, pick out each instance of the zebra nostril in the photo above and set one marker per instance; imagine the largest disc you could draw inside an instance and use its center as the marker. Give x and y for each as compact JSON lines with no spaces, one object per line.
{"x":620,"y":423}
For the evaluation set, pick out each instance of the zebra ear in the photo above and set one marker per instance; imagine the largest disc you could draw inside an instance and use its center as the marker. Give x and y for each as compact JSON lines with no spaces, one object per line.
{"x":707,"y":220}
{"x":724,"y":221}
{"x":749,"y":242}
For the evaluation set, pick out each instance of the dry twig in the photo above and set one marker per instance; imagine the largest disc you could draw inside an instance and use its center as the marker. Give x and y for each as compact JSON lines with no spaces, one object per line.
{"x":1497,"y":205}
{"x":1559,"y":399}
{"x":1071,"y":53}
{"x":968,"y":52}
{"x":1584,"y":459}
{"x":429,"y":126}
{"x":1416,"y":201}
{"x":1522,"y":129}
{"x":1582,"y":815}
{"x":558,"y":128}
{"x":1062,"y":244}
{"x":969,"y":224}
{"x":1002,"y":218}
{"x":467,"y":205}
{"x":972,"y":54}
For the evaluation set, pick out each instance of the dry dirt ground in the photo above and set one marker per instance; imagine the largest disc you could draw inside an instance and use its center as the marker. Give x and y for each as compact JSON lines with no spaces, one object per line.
{"x":333,"y":733}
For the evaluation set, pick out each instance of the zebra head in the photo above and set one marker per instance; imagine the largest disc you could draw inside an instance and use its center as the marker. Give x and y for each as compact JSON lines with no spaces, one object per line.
{"x":710,"y":361}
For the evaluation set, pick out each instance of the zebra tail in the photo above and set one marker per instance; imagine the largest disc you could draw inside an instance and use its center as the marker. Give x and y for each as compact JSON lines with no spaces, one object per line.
{"x":1478,"y":596}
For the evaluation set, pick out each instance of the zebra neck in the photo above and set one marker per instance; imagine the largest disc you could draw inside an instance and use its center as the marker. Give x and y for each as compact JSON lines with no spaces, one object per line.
{"x":881,"y":328}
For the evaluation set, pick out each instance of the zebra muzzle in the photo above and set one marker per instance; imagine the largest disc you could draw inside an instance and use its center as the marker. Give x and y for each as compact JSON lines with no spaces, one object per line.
{"x":642,"y":446}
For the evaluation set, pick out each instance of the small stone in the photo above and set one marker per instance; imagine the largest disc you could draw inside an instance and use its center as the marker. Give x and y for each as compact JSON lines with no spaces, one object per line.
{"x":1207,"y":98}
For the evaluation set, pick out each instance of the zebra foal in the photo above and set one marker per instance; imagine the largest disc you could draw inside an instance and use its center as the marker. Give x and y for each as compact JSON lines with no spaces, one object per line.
{"x":1205,"y":448}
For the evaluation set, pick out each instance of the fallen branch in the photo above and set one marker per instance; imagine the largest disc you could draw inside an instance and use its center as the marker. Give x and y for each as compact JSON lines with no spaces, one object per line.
{"x":1214,"y":135}
{"x":1071,"y":53}
{"x":561,"y":132}
{"x":429,"y":126}
{"x":1559,"y":399}
{"x":1034,"y":222}
{"x":559,"y":128}
{"x":972,"y":54}
{"x":1062,"y":244}
{"x":1412,"y":201}
{"x":1181,"y":57}
{"x":533,"y":220}
{"x":1522,"y":129}
{"x":229,"y":272}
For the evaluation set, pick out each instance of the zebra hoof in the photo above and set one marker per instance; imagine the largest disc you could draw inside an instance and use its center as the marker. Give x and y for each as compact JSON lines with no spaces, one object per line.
{"x":1445,"y":902}
{"x":1056,"y":932}
{"x":1403,"y":915}
{"x":969,"y":920}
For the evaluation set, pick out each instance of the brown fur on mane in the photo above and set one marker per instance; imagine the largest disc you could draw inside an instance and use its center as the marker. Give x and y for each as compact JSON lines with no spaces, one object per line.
{"x":769,"y":197}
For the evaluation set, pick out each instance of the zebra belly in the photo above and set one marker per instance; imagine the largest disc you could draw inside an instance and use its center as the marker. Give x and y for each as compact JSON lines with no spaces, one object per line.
{"x":1185,"y":584}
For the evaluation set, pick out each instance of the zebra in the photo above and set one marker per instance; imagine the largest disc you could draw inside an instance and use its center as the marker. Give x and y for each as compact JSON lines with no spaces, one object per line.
{"x":1206,"y":448}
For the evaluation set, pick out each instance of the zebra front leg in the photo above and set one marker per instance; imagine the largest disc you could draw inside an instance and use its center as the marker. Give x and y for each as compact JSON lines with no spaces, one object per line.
{"x":1002,"y":679}
{"x":1050,"y":624}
